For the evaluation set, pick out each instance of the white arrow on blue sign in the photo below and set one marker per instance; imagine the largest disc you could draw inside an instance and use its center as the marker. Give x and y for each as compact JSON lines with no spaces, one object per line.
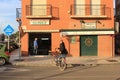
{"x":8,"y":30}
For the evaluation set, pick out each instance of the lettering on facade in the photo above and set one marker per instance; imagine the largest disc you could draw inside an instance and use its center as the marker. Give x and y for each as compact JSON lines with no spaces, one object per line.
{"x":89,"y":25}
{"x":40,"y":22}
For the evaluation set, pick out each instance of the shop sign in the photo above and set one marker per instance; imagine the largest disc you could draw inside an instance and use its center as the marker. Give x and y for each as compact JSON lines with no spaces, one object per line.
{"x":89,"y":25}
{"x":73,"y":39}
{"x":40,"y":22}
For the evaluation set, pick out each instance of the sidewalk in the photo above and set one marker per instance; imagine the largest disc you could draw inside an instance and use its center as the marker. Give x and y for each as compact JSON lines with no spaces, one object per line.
{"x":48,"y":60}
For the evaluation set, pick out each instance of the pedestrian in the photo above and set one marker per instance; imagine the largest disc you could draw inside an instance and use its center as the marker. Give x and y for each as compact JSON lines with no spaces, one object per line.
{"x":35,"y":46}
{"x":63,"y":50}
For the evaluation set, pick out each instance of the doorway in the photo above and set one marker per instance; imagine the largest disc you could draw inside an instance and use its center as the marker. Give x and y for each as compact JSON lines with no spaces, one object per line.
{"x":44,"y":43}
{"x":89,"y":45}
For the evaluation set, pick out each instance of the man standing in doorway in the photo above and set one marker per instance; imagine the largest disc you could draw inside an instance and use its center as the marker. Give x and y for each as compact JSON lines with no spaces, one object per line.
{"x":35,"y":46}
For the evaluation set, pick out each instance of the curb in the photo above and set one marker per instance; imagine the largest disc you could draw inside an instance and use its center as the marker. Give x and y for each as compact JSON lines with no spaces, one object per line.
{"x":48,"y":61}
{"x":51,"y":63}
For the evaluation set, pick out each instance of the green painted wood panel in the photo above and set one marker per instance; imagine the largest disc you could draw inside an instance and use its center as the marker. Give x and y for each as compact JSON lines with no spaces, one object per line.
{"x":89,"y":45}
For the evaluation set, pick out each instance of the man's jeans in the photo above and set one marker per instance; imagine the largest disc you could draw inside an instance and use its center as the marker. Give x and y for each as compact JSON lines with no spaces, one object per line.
{"x":35,"y":51}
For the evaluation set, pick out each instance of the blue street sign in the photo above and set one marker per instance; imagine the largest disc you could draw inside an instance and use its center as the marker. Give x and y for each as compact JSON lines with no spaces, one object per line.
{"x":8,"y":30}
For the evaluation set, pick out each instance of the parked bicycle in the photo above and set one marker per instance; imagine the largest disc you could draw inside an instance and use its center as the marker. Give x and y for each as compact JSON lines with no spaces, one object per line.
{"x":60,"y":61}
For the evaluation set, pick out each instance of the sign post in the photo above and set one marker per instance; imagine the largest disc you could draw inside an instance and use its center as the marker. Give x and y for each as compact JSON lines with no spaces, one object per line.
{"x":8,"y":43}
{"x":8,"y":31}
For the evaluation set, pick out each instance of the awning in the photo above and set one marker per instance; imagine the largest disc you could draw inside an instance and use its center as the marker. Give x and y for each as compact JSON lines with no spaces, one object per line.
{"x":88,"y":32}
{"x":41,"y":30}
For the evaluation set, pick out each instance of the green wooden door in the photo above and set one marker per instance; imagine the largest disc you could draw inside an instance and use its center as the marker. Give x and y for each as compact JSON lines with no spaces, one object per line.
{"x":88,"y":45}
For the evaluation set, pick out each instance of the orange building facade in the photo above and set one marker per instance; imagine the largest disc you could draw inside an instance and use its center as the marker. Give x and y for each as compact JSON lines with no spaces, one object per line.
{"x":86,"y":26}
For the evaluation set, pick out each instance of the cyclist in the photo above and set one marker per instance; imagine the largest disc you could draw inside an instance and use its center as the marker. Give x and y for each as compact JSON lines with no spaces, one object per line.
{"x":63,"y":50}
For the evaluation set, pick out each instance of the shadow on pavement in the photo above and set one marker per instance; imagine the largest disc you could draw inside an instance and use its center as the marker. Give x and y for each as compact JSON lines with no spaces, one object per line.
{"x":73,"y":68}
{"x":118,"y":79}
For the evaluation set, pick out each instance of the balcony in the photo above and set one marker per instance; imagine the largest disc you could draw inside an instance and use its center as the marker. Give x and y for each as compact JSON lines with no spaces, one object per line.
{"x":38,"y":11}
{"x":90,"y":11}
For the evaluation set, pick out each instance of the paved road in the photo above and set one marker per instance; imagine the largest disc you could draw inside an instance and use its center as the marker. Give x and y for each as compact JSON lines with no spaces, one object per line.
{"x":75,"y":72}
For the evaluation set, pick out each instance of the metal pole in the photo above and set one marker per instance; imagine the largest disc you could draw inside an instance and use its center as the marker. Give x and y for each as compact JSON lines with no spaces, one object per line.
{"x":19,"y":46}
{"x":8,"y":43}
{"x":19,"y":55}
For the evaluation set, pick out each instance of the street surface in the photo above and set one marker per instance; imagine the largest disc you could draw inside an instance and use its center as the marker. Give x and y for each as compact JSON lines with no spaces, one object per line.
{"x":74,"y":72}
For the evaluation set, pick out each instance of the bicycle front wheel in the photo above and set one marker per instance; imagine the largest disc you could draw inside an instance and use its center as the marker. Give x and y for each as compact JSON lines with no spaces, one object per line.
{"x":62,"y":65}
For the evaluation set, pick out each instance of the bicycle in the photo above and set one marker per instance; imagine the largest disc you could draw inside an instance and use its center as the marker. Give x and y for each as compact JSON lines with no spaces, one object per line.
{"x":60,"y":61}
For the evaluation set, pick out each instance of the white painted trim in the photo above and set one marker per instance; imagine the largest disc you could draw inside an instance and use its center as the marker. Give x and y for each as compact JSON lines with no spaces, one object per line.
{"x":87,"y":33}
{"x":38,"y":17}
{"x":89,"y":16}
